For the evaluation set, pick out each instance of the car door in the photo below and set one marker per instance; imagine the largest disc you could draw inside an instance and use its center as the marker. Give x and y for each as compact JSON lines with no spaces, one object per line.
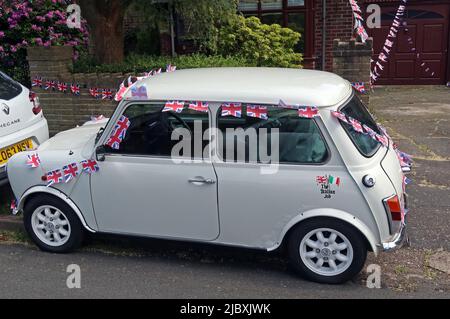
{"x":255,"y":200}
{"x":142,"y":189}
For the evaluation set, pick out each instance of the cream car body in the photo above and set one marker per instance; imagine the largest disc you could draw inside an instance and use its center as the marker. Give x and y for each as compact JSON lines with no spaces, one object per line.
{"x":238,"y":206}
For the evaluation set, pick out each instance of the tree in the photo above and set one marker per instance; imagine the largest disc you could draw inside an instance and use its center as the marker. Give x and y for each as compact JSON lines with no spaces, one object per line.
{"x":105,"y":20}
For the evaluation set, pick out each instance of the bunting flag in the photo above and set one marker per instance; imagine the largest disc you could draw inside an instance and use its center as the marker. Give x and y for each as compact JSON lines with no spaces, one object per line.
{"x":173,"y":106}
{"x":75,"y":89}
{"x":107,"y":94}
{"x":90,"y":166}
{"x":340,"y":116}
{"x":308,"y":112}
{"x":370,"y":131}
{"x":119,"y":133}
{"x":357,"y":126}
{"x":360,"y":87}
{"x":257,"y":111}
{"x":94,"y":92}
{"x":54,"y":177}
{"x":70,"y":172}
{"x":199,"y":107}
{"x":359,"y":26}
{"x":232,"y":109}
{"x":382,"y":139}
{"x":62,"y":87}
{"x":171,"y":68}
{"x":388,"y":44}
{"x":37,"y":81}
{"x":33,"y":161}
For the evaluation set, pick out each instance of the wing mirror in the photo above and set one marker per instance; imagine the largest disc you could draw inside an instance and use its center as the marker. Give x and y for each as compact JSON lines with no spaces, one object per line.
{"x":100,"y":153}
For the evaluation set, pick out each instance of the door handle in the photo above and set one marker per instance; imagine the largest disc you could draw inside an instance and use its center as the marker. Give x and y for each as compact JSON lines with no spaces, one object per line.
{"x":201,"y":180}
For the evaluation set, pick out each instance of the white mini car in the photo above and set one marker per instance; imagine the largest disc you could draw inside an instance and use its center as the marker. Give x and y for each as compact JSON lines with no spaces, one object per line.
{"x":185,"y":157}
{"x":22,"y":123}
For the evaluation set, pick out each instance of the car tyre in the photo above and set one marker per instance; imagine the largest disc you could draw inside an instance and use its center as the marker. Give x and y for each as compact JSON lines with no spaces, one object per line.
{"x":52,"y":224}
{"x":327,"y":250}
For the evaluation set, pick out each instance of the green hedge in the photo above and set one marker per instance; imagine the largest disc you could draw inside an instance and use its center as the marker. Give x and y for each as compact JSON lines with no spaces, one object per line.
{"x":144,"y":63}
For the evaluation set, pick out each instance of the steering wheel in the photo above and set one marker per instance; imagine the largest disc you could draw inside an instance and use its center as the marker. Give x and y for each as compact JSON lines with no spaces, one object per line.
{"x":183,"y":123}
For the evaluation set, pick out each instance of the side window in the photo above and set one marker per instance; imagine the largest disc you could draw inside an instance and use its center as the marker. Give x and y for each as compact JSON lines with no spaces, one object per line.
{"x":299,"y":139}
{"x":150,"y":131}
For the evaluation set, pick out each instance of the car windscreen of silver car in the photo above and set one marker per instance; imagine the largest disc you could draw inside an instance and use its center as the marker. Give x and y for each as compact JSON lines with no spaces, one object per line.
{"x":357,"y":110}
{"x":9,"y":89}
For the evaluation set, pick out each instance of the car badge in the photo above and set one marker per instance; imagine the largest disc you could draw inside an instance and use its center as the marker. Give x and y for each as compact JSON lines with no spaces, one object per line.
{"x":5,"y":109}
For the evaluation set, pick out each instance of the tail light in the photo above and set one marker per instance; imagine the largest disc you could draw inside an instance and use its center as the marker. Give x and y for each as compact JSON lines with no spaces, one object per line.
{"x":36,"y":104}
{"x":394,"y":206}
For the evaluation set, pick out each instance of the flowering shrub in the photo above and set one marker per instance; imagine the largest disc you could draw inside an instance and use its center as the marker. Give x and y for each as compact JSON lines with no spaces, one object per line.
{"x":34,"y":23}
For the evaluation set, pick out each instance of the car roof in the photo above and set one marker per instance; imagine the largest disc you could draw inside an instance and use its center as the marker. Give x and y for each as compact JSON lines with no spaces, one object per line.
{"x":249,"y":85}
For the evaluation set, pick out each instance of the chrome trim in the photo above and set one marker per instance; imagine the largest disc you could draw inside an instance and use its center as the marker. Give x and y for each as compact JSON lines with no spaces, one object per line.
{"x":397,"y":241}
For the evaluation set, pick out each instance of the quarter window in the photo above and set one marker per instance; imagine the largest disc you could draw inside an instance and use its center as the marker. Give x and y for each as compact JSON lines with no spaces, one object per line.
{"x":9,"y":88}
{"x":300,"y":140}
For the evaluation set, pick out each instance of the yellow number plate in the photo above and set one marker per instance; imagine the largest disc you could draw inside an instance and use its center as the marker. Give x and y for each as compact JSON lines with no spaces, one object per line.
{"x":7,"y":152}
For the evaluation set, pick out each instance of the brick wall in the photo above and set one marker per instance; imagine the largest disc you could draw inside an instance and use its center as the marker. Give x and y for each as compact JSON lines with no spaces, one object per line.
{"x":65,"y":111}
{"x":339,"y":25}
{"x":351,"y":60}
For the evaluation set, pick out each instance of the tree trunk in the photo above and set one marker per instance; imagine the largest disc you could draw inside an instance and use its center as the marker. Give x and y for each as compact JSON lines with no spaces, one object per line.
{"x":105,"y":20}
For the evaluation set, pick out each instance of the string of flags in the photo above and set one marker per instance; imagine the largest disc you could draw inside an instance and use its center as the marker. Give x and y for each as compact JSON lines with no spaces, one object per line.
{"x":73,"y":88}
{"x":359,"y":21}
{"x":389,"y":43}
{"x":360,"y":87}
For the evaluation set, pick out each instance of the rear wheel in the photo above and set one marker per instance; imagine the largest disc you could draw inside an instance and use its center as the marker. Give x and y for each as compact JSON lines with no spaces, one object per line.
{"x":52,"y":224}
{"x":327,"y":250}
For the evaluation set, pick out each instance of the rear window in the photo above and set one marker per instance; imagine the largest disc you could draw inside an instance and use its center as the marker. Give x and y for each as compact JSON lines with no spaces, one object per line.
{"x":9,"y":88}
{"x":365,"y":144}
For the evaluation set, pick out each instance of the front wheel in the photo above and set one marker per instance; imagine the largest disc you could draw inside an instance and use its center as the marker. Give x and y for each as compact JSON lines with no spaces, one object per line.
{"x":52,"y":224}
{"x":327,"y":250}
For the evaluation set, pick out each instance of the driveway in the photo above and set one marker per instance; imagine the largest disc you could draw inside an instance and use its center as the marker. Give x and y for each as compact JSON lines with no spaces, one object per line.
{"x":417,"y":118}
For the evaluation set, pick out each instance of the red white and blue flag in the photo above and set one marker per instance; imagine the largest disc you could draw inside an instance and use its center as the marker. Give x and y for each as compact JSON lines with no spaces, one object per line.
{"x":357,"y":126}
{"x":50,"y":85}
{"x":54,"y":177}
{"x":107,"y":94}
{"x":257,"y":111}
{"x":308,"y":112}
{"x":34,"y":161}
{"x":62,"y":87}
{"x":75,"y":89}
{"x":370,"y":131}
{"x":119,"y":133}
{"x":199,"y":107}
{"x":37,"y":81}
{"x":171,"y":68}
{"x":232,"y":109}
{"x":382,"y":139}
{"x":360,"y":87}
{"x":70,"y":172}
{"x":340,"y":116}
{"x":94,"y":92}
{"x":90,"y":166}
{"x":174,"y":106}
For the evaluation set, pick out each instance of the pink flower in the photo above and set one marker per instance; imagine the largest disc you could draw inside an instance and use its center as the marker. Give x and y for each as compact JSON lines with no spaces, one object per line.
{"x":2,"y":34}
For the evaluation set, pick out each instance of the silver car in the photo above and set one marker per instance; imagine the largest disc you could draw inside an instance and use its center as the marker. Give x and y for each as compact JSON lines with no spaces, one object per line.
{"x":247,"y":157}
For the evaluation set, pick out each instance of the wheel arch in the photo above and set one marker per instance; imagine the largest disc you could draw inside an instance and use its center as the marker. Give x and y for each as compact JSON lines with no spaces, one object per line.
{"x":35,"y":191}
{"x":353,"y":221}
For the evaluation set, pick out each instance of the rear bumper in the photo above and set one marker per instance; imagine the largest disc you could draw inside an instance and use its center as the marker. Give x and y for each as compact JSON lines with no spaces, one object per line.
{"x":3,"y":176}
{"x":397,"y":241}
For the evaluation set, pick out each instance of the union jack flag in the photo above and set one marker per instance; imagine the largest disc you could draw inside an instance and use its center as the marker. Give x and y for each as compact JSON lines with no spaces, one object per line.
{"x":357,"y":126}
{"x":174,"y":106}
{"x":308,"y":112}
{"x":94,"y":92}
{"x":107,"y":94}
{"x":340,"y":116}
{"x":405,"y":157}
{"x":75,"y":89}
{"x":382,"y":139}
{"x":369,"y":131}
{"x":119,"y":133}
{"x":54,"y":177}
{"x":33,"y":161}
{"x":159,"y":71}
{"x":257,"y":111}
{"x":37,"y":81}
{"x":360,"y":87}
{"x":90,"y":166}
{"x":62,"y":87}
{"x":322,"y":179}
{"x":232,"y":109}
{"x":50,"y":85}
{"x":171,"y":68}
{"x":199,"y":107}
{"x":70,"y":172}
